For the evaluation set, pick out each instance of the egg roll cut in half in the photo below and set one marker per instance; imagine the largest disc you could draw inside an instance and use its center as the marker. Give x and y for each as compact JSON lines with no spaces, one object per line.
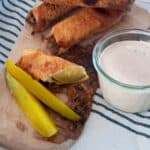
{"x":41,"y":16}
{"x":119,"y":4}
{"x":81,"y":25}
{"x":49,"y":68}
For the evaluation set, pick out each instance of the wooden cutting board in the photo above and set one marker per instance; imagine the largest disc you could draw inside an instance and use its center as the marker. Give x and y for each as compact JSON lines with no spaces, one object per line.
{"x":15,"y":131}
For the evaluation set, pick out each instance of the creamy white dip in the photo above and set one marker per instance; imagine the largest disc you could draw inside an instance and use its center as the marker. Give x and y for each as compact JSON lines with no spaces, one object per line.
{"x":127,"y":62}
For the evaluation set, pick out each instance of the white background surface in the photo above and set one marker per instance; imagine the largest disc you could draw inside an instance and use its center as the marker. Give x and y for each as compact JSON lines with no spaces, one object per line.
{"x":144,"y":3}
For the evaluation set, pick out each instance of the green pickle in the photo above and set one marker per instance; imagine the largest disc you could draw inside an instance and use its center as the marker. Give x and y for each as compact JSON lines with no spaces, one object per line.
{"x":32,"y":108}
{"x":71,"y":74}
{"x":40,"y":92}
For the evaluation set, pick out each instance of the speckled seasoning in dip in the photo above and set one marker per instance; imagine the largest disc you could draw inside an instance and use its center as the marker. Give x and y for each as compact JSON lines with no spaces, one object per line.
{"x":127,"y":62}
{"x":125,"y":72}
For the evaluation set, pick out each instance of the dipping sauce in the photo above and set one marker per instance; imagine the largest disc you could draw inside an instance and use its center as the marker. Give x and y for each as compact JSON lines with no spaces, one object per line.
{"x":127,"y":62}
{"x":124,"y":74}
{"x":122,"y":61}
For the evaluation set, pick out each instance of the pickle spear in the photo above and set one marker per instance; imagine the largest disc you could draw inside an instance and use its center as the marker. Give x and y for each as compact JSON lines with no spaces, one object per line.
{"x":39,"y":91}
{"x":70,"y":74}
{"x":33,"y":110}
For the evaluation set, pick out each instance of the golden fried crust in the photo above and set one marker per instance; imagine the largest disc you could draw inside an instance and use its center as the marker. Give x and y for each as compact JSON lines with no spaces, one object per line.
{"x":41,"y":16}
{"x":120,"y":4}
{"x":82,"y":24}
{"x":41,"y":65}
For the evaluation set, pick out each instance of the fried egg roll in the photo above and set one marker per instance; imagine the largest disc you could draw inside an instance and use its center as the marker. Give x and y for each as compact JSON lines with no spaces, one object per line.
{"x":81,"y":25}
{"x":50,"y":68}
{"x":119,"y":4}
{"x":41,"y":16}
